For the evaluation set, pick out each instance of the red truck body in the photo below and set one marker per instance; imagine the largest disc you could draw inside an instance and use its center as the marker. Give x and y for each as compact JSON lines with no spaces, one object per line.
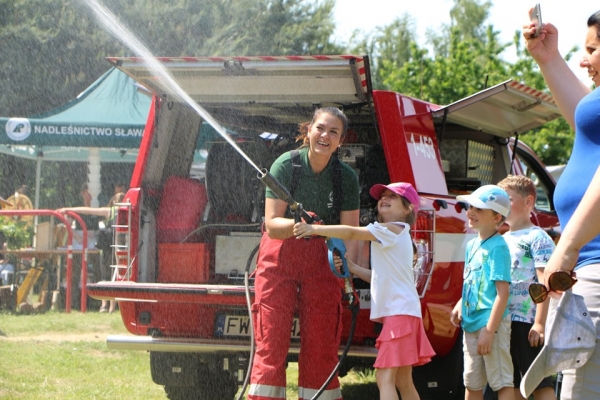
{"x":190,"y":225}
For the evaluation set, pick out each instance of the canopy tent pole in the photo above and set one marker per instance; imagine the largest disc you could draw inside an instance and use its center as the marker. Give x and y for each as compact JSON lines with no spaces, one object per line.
{"x":38,"y":178}
{"x":94,"y":185}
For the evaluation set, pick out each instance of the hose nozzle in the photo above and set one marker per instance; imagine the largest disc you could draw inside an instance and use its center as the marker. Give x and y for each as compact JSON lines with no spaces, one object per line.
{"x":280,"y":191}
{"x":276,"y":187}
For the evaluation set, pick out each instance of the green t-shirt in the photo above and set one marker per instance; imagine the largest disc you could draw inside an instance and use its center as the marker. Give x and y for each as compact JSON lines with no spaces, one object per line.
{"x":315,"y":191}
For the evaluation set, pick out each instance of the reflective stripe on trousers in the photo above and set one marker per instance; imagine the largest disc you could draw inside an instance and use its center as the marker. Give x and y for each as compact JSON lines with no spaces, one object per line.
{"x":267,"y":392}
{"x":331,"y":394}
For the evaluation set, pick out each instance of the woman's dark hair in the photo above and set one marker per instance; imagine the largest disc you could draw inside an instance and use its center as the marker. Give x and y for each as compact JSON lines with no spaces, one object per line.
{"x":333,"y":111}
{"x":594,"y":20}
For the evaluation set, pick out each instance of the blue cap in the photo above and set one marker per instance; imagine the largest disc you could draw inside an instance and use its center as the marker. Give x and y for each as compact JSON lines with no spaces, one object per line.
{"x":488,"y":197}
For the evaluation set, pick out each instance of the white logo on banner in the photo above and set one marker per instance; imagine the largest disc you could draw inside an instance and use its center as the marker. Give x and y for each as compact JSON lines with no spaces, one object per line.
{"x":18,"y":128}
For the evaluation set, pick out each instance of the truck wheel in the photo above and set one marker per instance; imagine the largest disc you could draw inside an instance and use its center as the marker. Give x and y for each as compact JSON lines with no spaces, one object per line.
{"x":214,"y":385}
{"x":442,"y":377}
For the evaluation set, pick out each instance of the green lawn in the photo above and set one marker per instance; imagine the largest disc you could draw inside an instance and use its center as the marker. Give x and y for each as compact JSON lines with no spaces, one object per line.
{"x":64,"y":356}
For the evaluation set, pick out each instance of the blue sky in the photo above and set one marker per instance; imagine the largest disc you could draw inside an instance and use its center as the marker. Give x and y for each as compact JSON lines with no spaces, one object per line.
{"x":507,"y":16}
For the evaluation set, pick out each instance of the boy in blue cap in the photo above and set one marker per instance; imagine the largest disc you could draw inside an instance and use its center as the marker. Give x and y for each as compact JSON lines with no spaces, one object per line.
{"x":482,"y":310}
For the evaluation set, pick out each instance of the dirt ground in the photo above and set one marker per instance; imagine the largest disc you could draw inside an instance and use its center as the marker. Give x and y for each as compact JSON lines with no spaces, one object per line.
{"x":57,"y":337}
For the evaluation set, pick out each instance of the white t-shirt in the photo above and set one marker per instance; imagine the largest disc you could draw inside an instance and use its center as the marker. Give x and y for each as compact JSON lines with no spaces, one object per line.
{"x":393,"y":290}
{"x":530,"y":249}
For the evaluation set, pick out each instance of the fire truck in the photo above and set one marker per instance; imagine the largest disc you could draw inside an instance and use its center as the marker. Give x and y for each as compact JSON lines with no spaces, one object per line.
{"x":190,"y":225}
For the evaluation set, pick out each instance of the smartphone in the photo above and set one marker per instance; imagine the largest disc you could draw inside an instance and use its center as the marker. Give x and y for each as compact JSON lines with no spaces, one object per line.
{"x":536,"y":16}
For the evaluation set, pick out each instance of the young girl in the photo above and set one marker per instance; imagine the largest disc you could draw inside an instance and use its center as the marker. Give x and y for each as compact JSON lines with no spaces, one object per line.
{"x":402,"y":343}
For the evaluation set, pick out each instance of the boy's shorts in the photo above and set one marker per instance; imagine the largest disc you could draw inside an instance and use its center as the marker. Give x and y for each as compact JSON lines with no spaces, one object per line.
{"x":523,"y":354}
{"x":496,"y":368}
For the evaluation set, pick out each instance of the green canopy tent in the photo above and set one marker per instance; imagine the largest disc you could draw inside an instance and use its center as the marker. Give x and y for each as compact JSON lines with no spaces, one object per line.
{"x":105,"y":123}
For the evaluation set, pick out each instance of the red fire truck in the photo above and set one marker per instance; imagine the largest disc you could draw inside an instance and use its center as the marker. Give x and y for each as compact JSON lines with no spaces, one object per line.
{"x":190,"y":224}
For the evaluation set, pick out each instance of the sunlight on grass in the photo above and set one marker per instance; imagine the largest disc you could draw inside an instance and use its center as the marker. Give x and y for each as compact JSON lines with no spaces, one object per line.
{"x":64,"y":356}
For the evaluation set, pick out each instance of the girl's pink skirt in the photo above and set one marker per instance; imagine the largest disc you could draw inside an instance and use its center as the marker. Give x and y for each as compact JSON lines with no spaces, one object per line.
{"x":402,"y":342}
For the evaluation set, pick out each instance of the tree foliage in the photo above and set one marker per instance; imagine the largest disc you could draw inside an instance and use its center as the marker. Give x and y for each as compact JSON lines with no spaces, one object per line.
{"x":467,"y":57}
{"x":388,"y":44}
{"x":54,"y":49}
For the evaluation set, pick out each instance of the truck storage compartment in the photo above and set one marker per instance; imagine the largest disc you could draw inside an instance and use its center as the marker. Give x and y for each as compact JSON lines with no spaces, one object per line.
{"x":184,"y":262}
{"x":181,"y":206}
{"x":233,"y":253}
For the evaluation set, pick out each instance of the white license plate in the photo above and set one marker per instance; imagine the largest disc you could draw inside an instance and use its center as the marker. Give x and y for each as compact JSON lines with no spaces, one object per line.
{"x":239,"y":326}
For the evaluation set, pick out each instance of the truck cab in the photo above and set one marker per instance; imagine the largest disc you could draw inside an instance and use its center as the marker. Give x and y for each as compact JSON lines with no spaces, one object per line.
{"x":188,"y":230}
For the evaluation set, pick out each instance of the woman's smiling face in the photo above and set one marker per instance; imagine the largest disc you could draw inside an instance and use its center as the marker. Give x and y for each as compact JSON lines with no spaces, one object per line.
{"x":591,"y":59}
{"x":325,"y":134}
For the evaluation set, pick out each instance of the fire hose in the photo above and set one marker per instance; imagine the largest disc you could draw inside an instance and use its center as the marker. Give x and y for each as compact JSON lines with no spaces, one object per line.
{"x":335,"y":247}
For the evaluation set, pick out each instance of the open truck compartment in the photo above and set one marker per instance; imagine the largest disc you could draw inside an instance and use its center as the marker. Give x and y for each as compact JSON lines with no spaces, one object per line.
{"x":194,"y":213}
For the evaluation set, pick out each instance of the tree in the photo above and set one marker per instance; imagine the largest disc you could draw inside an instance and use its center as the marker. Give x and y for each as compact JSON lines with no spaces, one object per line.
{"x":54,"y":49}
{"x":389,"y":45}
{"x":469,"y":67}
{"x":466,"y":58}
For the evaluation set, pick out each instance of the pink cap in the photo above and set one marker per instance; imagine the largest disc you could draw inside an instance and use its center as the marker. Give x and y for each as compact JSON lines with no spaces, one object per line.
{"x":401,"y":188}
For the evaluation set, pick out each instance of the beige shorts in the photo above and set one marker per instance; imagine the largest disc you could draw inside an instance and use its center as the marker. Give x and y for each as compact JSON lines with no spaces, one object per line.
{"x":495,"y":368}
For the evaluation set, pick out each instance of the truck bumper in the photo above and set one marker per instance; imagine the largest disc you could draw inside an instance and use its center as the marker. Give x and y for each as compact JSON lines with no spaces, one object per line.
{"x":175,"y":345}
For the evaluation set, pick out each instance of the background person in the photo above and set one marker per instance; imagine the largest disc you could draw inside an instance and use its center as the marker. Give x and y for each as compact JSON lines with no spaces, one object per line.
{"x":109,"y":214}
{"x":294,"y":274}
{"x":530,"y":248}
{"x":120,"y":188}
{"x":7,"y":270}
{"x":580,"y":106}
{"x":483,"y":308}
{"x":395,"y":302}
{"x":86,"y":196}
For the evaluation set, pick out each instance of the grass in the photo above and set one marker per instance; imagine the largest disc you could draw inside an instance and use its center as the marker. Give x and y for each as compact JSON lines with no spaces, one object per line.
{"x":64,"y":356}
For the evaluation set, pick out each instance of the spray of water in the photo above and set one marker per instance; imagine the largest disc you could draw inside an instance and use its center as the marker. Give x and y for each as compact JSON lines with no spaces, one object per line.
{"x":122,"y":33}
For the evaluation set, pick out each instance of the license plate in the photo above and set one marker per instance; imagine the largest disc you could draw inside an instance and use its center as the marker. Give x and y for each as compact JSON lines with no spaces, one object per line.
{"x":239,"y":326}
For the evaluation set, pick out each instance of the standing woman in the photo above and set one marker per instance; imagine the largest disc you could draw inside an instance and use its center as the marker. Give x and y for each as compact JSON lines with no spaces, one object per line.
{"x":580,"y":106}
{"x":294,"y":274}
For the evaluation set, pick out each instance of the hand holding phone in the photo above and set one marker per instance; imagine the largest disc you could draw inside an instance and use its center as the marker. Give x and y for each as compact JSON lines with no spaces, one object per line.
{"x":535,"y":16}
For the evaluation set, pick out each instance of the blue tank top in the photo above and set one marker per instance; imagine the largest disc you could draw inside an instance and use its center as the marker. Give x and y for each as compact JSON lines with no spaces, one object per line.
{"x":580,"y":169}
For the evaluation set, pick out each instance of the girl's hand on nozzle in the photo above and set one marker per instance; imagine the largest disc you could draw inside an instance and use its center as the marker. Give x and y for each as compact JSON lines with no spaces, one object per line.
{"x":302,"y":229}
{"x":352,"y":267}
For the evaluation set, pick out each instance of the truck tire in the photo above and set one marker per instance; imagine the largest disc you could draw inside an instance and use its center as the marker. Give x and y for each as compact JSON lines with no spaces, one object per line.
{"x":214,"y":385}
{"x":188,"y":376}
{"x":442,"y":378}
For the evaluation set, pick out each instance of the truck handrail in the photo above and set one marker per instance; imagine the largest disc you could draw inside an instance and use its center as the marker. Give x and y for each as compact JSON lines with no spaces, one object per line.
{"x":54,"y":213}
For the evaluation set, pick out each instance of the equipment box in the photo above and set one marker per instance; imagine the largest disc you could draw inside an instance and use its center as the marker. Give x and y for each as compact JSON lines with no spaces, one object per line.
{"x":184,"y":262}
{"x":233,"y":251}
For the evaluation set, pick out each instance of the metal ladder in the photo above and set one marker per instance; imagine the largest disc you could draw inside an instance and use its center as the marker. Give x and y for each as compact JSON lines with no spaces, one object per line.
{"x":121,"y":247}
{"x":423,"y":268}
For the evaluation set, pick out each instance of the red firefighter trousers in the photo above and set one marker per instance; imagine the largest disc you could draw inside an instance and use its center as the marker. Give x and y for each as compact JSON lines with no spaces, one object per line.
{"x":294,"y":274}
